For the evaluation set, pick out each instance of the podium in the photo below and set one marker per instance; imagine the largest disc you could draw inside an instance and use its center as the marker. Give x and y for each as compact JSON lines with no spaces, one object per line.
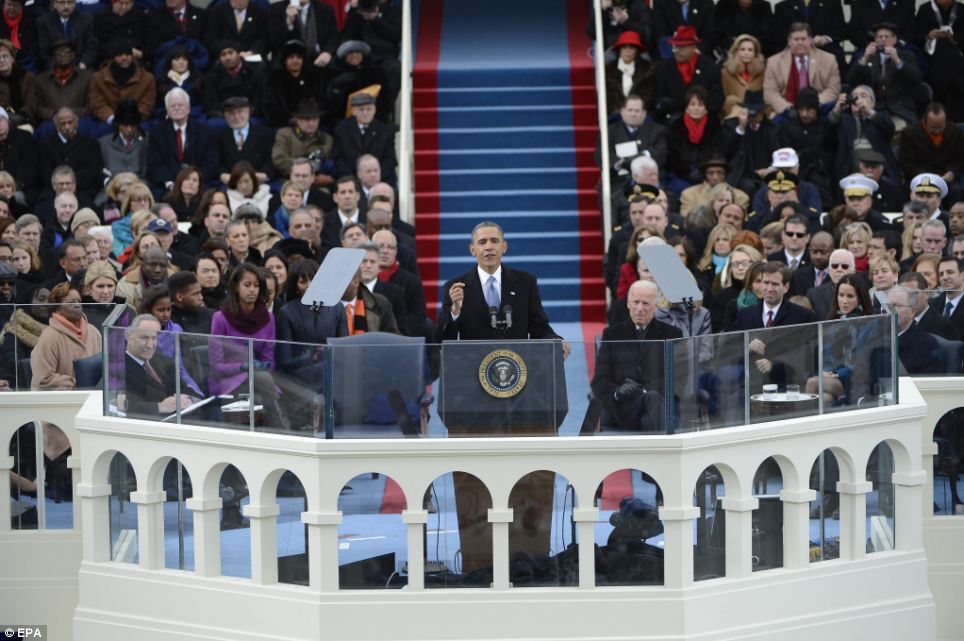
{"x":503,"y":389}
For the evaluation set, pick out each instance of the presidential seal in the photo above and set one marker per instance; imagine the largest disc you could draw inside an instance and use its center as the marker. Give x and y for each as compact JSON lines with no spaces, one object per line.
{"x":503,"y":373}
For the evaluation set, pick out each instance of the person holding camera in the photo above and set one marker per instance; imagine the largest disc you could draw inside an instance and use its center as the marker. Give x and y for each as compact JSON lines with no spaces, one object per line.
{"x":892,"y":72}
{"x":303,"y":138}
{"x":862,"y":126}
{"x":620,"y":16}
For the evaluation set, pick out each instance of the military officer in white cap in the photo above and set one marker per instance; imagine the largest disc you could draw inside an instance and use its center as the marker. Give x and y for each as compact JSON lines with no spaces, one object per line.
{"x":930,"y":189}
{"x":858,"y":191}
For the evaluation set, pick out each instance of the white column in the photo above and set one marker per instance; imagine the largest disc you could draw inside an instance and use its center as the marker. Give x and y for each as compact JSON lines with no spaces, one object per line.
{"x":928,"y":453}
{"x":739,"y":535}
{"x":207,"y":535}
{"x":500,"y":520}
{"x":6,"y":464}
{"x":585,"y":518}
{"x":73,"y":464}
{"x":909,"y":491}
{"x":322,"y":549}
{"x":796,"y":527}
{"x":264,"y":542}
{"x":678,"y":544}
{"x":853,"y":519}
{"x":95,"y":505}
{"x":416,"y":520}
{"x":150,"y":528}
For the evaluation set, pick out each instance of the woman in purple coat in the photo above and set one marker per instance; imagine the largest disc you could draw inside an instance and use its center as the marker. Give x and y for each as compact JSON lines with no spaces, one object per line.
{"x":245,"y":315}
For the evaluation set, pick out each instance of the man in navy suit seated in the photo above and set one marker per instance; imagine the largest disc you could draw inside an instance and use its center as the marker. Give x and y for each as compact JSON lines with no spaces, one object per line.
{"x":178,"y":141}
{"x":629,"y":369}
{"x":149,"y":375}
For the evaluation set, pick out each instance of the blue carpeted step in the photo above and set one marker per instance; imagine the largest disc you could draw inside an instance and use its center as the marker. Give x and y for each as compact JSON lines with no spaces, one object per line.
{"x":549,"y":288}
{"x":495,"y":200}
{"x":465,"y":76}
{"x":528,"y":243}
{"x":505,"y":116}
{"x":452,"y":222}
{"x":499,"y":159}
{"x":500,"y":95}
{"x":543,"y":266}
{"x":453,"y":180}
{"x":506,"y":137}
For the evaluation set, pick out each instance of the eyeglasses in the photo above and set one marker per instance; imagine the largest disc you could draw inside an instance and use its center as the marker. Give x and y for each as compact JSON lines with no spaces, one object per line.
{"x":740,"y":263}
{"x":796,"y":234}
{"x":840,"y":266}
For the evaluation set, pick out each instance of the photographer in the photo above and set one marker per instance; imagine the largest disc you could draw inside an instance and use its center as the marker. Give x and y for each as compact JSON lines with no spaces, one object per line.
{"x":891,"y":70}
{"x":861,"y":126}
{"x":304,"y":139}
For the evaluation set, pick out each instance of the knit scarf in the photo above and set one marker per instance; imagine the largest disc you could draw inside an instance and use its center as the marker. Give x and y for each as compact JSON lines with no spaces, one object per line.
{"x":937,"y":139}
{"x":25,"y":328}
{"x":746,"y":298}
{"x":357,"y":324}
{"x":78,"y":329}
{"x":793,"y":83}
{"x":627,"y":69}
{"x":687,"y":70}
{"x":386,"y":274}
{"x":13,"y":27}
{"x":63,"y":74}
{"x":247,"y":323}
{"x":694,"y":129}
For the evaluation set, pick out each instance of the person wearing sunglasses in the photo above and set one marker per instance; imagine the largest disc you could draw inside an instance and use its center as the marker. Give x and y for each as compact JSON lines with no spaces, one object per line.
{"x":822,"y":297}
{"x":795,"y":238}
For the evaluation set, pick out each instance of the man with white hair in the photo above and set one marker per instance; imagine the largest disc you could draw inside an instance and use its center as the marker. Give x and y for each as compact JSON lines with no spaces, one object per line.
{"x":841,"y":263}
{"x":179,"y":140}
{"x":150,"y":376}
{"x":628,"y":378}
{"x":919,"y":351}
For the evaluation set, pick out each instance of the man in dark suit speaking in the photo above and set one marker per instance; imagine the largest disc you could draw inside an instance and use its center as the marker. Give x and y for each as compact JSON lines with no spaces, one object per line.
{"x":149,"y":376}
{"x":629,"y":375}
{"x":467,"y":307}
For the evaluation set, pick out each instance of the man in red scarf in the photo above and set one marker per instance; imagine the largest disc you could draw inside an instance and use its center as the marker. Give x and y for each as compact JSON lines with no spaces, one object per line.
{"x":687,"y":69}
{"x":414,"y":322}
{"x":19,"y":27}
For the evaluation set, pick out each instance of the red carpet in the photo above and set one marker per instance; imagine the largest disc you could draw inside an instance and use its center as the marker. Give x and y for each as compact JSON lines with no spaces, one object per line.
{"x":616,"y":487}
{"x":393,"y":501}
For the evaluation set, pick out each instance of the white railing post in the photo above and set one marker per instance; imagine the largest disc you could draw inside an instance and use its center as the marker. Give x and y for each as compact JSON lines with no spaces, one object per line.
{"x":739,"y":535}
{"x":207,"y":535}
{"x":853,"y":519}
{"x":678,"y":541}
{"x":599,"y":62}
{"x":796,"y":527}
{"x":264,"y":542}
{"x":322,"y":549}
{"x":500,"y":520}
{"x":908,"y":500}
{"x":150,"y":528}
{"x":415,"y":520}
{"x":95,"y":505}
{"x":586,"y":518}
{"x":406,"y":164}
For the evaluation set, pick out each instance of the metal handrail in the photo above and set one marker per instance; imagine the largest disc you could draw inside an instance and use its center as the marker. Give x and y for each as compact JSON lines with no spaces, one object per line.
{"x":406,"y":161}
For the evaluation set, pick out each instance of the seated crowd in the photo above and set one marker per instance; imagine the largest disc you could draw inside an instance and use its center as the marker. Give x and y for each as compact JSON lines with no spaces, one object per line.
{"x":750,"y":141}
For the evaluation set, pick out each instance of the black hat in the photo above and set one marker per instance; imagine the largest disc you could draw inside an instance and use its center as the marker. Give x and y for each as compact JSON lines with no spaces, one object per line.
{"x":235,"y":102}
{"x":715,"y":160}
{"x":60,"y":42}
{"x":307,"y":108}
{"x":870,"y":157}
{"x":292,"y":47}
{"x":294,"y":247}
{"x":890,"y":26}
{"x":632,"y":190}
{"x":127,"y":113}
{"x":808,"y":98}
{"x":227,"y":43}
{"x":119,"y":45}
{"x":753,"y":102}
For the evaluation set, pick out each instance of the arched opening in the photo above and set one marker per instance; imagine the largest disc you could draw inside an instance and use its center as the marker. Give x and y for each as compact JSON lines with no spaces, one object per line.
{"x":629,"y":533}
{"x":709,"y":530}
{"x":178,"y":520}
{"x":41,"y":484}
{"x":122,"y":512}
{"x":458,"y":535}
{"x":948,"y":485}
{"x":768,"y":517}
{"x":543,"y":547}
{"x":880,"y":501}
{"x":825,"y":509}
{"x":235,"y":528}
{"x":292,"y":534}
{"x":372,"y":539}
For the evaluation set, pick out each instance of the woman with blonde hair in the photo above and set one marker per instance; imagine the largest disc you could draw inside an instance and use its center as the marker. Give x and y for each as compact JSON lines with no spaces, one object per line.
{"x":24,"y":259}
{"x":856,"y":238}
{"x":100,"y":285}
{"x":742,"y":72}
{"x":136,"y":197}
{"x":145,"y":240}
{"x":729,"y":283}
{"x":115,"y":191}
{"x":718,"y":248}
{"x":910,"y":241}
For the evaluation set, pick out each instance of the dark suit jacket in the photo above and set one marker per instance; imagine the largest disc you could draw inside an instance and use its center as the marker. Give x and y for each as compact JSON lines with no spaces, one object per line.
{"x":82,"y":33}
{"x":297,"y":323}
{"x":219,"y":85}
{"x":162,"y":162}
{"x":82,"y":154}
{"x":671,"y":90}
{"x":878,"y":130}
{"x":893,"y":87}
{"x":919,"y":352}
{"x":619,"y":360}
{"x":143,"y":393}
{"x":396,"y":297}
{"x":379,"y":141}
{"x":19,"y":157}
{"x":163,"y":26}
{"x":28,"y":34}
{"x":256,"y":149}
{"x":332,"y":228}
{"x":650,"y":136}
{"x":864,"y":14}
{"x":780,"y":257}
{"x":220,"y":25}
{"x":519,"y":289}
{"x":668,"y":15}
{"x":822,"y":298}
{"x":957,"y":318}
{"x":933,"y":322}
{"x":325,"y":25}
{"x":193,"y":322}
{"x":788,"y":314}
{"x":802,"y":280}
{"x":918,"y":154}
{"x":825,"y":18}
{"x":413,"y":322}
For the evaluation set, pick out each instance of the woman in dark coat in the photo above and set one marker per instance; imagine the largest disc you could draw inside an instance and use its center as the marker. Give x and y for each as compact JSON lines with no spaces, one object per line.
{"x":941,"y":33}
{"x":353,"y":71}
{"x":289,"y":84}
{"x":692,"y":137}
{"x":630,"y":73}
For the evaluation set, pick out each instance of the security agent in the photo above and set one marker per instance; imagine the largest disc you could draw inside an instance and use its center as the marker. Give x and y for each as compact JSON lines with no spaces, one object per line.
{"x":628,"y":378}
{"x":493,"y":295}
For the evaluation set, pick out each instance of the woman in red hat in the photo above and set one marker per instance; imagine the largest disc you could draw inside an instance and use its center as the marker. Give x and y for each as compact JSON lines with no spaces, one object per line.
{"x":629,"y":73}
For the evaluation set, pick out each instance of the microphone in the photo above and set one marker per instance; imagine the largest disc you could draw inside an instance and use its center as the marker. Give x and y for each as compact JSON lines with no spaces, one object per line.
{"x":494,"y":317}
{"x":507,"y":310}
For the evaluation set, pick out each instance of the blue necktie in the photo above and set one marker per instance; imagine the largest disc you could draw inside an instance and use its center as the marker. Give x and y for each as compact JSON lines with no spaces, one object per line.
{"x":64,"y":23}
{"x":492,"y":296}
{"x":948,"y":309}
{"x":686,"y":10}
